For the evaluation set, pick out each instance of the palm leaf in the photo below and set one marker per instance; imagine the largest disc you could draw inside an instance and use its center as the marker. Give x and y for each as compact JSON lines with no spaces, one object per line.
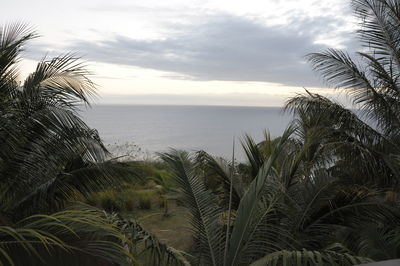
{"x":307,"y":257}
{"x":146,"y":246}
{"x":205,"y":214}
{"x":50,"y":239}
{"x":246,"y":222}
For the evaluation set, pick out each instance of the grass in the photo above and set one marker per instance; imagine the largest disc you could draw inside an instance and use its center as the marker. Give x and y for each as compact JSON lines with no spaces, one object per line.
{"x":144,"y":206}
{"x":166,"y":228}
{"x":145,"y":198}
{"x":143,"y":201}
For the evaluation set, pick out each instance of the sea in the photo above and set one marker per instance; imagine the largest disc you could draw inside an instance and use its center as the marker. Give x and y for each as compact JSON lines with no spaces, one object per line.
{"x":140,"y":131}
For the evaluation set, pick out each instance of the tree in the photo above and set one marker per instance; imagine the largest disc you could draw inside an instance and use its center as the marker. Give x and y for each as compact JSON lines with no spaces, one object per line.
{"x":274,"y":221}
{"x":371,"y":133}
{"x":362,"y":144}
{"x":332,"y":187}
{"x":49,"y":158}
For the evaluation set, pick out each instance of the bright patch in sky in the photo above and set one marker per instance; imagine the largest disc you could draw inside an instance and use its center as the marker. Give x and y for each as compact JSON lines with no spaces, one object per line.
{"x":188,"y":51}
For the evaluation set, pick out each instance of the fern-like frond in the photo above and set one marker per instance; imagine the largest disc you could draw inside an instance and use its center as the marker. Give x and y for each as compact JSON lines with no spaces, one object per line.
{"x":246,"y":222}
{"x":51,"y":239}
{"x":202,"y":204}
{"x":309,"y":257}
{"x":145,"y":246}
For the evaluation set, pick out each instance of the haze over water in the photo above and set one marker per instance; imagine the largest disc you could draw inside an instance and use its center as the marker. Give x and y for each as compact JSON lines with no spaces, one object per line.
{"x":210,"y":128}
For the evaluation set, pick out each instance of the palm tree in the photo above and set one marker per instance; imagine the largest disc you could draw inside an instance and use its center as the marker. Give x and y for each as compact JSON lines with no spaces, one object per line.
{"x":275,"y":221}
{"x":326,"y":191}
{"x":50,"y":158}
{"x":325,"y":195}
{"x":362,"y":145}
{"x":371,"y":134}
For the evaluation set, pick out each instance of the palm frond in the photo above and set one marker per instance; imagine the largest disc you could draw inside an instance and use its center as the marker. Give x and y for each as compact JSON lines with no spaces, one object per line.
{"x":13,"y":37}
{"x":246,"y":222}
{"x":52,"y":238}
{"x":310,"y":257}
{"x":254,"y":155}
{"x":339,"y":70}
{"x":218,"y":170}
{"x":63,"y":80}
{"x":146,"y":246}
{"x":202,"y":204}
{"x":61,"y":140}
{"x":380,"y":21}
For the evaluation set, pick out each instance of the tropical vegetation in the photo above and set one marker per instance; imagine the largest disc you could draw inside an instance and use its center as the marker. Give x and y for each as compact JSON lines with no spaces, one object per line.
{"x":50,"y":159}
{"x":326,"y":192}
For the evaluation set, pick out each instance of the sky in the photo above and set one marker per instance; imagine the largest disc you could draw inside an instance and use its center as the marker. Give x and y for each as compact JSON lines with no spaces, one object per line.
{"x":208,"y":52}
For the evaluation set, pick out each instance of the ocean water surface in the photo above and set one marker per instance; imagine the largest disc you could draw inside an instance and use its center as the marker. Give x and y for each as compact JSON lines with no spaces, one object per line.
{"x":211,"y":128}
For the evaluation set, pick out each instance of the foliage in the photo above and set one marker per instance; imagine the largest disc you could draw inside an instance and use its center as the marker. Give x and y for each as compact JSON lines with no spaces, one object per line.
{"x":305,"y":257}
{"x":326,"y":192}
{"x":108,"y":201}
{"x":273,"y":215}
{"x":373,"y":132}
{"x":144,"y":200}
{"x":164,"y":187}
{"x":145,"y":246}
{"x":49,"y":158}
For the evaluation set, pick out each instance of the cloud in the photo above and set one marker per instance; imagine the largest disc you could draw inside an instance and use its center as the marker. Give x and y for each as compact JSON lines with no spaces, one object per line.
{"x":237,"y":99}
{"x":222,"y":47}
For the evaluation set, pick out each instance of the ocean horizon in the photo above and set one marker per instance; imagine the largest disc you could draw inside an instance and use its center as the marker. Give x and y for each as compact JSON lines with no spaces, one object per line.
{"x":158,"y":128}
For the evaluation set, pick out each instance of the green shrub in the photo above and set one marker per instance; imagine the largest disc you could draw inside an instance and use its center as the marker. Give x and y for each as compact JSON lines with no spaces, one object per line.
{"x":126,"y":199}
{"x":128,"y":203}
{"x":108,"y":201}
{"x":144,"y":200}
{"x":161,"y":202}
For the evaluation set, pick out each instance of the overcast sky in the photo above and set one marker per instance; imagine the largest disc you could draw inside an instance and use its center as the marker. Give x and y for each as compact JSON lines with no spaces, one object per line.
{"x":187,"y":51}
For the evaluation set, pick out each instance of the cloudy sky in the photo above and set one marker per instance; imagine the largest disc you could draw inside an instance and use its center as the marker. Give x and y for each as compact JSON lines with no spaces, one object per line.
{"x":222,"y":52}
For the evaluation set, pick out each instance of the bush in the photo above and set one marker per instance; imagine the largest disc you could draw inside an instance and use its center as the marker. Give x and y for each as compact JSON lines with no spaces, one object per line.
{"x":124,"y":200}
{"x":161,"y":202}
{"x":144,"y":200}
{"x":108,"y":201}
{"x":129,"y":203}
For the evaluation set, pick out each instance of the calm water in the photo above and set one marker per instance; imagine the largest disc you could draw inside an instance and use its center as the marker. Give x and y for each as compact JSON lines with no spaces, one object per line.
{"x":210,"y":128}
